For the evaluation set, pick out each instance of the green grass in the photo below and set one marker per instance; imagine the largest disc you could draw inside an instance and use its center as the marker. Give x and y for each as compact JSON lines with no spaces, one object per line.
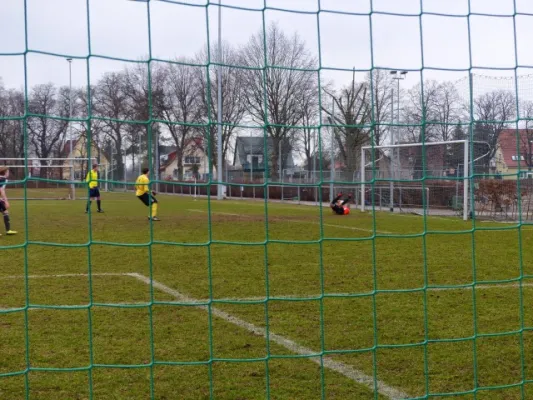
{"x":352,"y":287}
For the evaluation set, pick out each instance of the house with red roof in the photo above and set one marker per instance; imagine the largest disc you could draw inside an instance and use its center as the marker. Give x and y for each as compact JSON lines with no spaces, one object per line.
{"x":194,"y":163}
{"x":512,"y":158}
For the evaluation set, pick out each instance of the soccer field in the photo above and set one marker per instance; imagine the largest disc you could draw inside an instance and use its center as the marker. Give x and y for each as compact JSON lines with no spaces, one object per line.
{"x":247,"y":300}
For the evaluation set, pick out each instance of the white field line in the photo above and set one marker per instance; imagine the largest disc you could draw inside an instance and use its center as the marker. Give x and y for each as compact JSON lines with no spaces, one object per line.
{"x":333,"y":295}
{"x":344,"y":369}
{"x":213,"y":212}
{"x":63,"y":275}
{"x":353,"y":228}
{"x":202,"y":301}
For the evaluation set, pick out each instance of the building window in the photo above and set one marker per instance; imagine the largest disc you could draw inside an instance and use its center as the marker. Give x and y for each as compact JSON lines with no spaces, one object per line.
{"x":192,"y":160}
{"x":255,"y":160}
{"x":515,"y":158}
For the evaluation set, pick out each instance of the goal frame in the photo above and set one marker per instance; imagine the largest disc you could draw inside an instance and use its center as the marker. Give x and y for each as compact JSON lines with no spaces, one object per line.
{"x":466,"y":162}
{"x":71,"y":160}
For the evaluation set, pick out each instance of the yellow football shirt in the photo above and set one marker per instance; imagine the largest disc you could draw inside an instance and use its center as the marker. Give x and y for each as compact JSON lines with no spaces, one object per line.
{"x":92,"y":178}
{"x":141,"y":185}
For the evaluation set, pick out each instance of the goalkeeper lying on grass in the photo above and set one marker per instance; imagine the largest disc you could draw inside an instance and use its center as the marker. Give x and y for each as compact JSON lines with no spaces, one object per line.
{"x":341,"y":207}
{"x":142,"y":191}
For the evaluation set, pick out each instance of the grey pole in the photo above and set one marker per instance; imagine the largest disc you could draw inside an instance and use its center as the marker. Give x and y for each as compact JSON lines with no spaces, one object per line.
{"x":332,"y":155}
{"x":314,"y":157}
{"x":398,"y":121}
{"x":219,"y":105}
{"x":397,"y":77}
{"x":391,"y":183}
{"x":72,"y":192}
{"x":157,"y":160}
{"x":279,"y":161}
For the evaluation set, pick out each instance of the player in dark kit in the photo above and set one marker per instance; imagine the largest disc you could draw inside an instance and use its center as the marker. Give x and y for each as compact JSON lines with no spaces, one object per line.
{"x":4,"y":202}
{"x":341,"y":207}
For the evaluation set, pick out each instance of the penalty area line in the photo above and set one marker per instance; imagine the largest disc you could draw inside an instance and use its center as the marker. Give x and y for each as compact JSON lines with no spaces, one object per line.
{"x":337,"y":366}
{"x":63,"y":275}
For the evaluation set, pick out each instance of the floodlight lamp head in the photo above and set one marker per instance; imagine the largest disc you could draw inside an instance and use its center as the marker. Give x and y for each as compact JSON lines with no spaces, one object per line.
{"x":404,"y":72}
{"x":393,"y":72}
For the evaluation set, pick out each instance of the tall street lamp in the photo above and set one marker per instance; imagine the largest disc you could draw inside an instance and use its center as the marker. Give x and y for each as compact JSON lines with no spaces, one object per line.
{"x":69,"y":135}
{"x":398,"y":76}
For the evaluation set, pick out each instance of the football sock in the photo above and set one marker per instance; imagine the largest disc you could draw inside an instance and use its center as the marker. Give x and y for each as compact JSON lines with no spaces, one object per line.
{"x":6,"y":222}
{"x":98,"y":203}
{"x":88,"y":206}
{"x":154,"y":209}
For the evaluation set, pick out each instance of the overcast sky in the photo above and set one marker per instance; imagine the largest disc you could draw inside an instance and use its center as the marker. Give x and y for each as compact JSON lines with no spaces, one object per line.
{"x":119,"y":28}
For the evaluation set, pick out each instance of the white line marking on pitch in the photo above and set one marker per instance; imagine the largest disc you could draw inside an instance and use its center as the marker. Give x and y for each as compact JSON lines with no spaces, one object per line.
{"x":213,"y":212}
{"x":337,"y":366}
{"x":353,"y":228}
{"x":63,"y":275}
{"x":334,"y":295}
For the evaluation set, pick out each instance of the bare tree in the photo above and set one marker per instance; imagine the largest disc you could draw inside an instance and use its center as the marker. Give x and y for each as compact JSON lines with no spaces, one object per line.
{"x":233,"y":104}
{"x":111,"y":105}
{"x":381,"y":100}
{"x":144,"y":88}
{"x":422,"y":109}
{"x":447,"y":112}
{"x":307,"y":137}
{"x":11,"y":130}
{"x":273,"y":92}
{"x":46,"y":131}
{"x":180,"y":106}
{"x":91,"y":131}
{"x":350,"y":114}
{"x":421,"y":114}
{"x":492,"y":111}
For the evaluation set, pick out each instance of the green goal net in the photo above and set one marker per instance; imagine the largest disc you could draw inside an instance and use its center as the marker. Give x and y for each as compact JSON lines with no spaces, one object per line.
{"x":254,"y":120}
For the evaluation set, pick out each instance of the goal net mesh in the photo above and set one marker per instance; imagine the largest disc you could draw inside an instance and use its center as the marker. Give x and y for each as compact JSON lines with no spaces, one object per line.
{"x":295,"y":104}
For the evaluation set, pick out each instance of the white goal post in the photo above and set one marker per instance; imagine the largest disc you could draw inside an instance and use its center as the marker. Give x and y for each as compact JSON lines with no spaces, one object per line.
{"x":394,"y":169}
{"x":72,"y":165}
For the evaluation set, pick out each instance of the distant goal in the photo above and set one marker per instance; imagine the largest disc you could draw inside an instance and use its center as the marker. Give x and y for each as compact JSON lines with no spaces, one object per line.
{"x":420,"y":178}
{"x":48,"y":178}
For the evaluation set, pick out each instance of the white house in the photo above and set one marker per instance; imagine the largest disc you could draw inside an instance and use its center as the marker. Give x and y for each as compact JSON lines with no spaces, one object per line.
{"x":195,"y":162}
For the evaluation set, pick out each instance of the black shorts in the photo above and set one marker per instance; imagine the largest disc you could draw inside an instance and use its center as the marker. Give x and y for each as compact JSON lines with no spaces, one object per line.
{"x":94,"y":192}
{"x":145,"y":198}
{"x":338,"y":209}
{"x":2,"y":206}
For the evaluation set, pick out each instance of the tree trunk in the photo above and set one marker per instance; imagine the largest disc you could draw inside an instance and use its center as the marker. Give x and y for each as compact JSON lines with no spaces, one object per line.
{"x":179,"y":159}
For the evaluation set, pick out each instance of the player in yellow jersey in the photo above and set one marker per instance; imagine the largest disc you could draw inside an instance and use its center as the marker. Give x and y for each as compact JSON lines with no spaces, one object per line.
{"x":4,"y":202}
{"x":143,"y":193}
{"x":94,"y":192}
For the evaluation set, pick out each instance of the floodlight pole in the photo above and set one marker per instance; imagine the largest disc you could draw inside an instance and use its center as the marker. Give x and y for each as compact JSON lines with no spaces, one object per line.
{"x":251,"y":160}
{"x":466,"y":175}
{"x":332,"y":151}
{"x":219,"y":105}
{"x":72,"y":192}
{"x":279,"y":161}
{"x":314,"y":157}
{"x":398,"y":76}
{"x":391,"y":182}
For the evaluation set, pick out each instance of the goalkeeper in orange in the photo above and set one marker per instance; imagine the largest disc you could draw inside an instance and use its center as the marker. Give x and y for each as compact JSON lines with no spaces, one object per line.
{"x":143,"y":193}
{"x":341,"y":207}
